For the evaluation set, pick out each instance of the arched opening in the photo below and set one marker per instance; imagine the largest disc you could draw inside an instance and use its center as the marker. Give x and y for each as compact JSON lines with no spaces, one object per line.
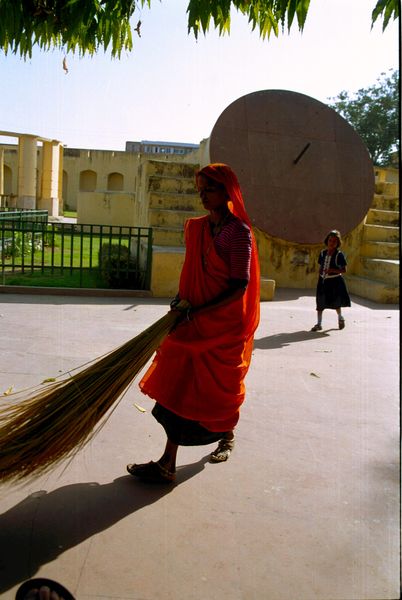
{"x":87,"y":181}
{"x":8,"y":180}
{"x":115,"y":182}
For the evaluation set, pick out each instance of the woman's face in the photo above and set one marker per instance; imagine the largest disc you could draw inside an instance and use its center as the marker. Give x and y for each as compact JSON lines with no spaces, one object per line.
{"x":213,"y":195}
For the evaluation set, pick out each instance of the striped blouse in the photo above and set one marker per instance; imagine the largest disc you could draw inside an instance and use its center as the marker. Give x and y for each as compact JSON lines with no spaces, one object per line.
{"x":233,"y":245}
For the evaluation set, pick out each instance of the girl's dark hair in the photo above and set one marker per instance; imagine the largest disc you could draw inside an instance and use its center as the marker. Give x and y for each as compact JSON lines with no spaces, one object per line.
{"x":334,"y":233}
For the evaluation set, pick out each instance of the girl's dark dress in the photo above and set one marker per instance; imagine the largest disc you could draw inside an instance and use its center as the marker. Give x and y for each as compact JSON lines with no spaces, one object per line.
{"x":331,"y":289}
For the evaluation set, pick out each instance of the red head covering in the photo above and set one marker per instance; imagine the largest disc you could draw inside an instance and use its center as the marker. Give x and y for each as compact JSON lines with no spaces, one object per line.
{"x":223,"y":174}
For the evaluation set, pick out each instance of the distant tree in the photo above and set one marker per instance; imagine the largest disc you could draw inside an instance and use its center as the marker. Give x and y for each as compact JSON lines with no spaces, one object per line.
{"x":86,"y":26}
{"x":374,"y":113}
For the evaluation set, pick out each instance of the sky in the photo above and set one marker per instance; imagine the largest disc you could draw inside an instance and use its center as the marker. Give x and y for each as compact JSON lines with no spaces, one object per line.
{"x":172,"y":87}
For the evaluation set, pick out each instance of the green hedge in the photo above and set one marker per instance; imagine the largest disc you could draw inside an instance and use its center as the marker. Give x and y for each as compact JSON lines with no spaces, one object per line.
{"x":117,"y":269}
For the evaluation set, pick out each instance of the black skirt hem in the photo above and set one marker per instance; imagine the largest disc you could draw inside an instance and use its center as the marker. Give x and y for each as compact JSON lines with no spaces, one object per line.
{"x":184,"y":432}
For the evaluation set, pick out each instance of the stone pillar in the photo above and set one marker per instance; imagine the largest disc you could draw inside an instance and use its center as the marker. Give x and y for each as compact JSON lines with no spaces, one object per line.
{"x":50,"y":189}
{"x":60,"y":186}
{"x":27,"y":160}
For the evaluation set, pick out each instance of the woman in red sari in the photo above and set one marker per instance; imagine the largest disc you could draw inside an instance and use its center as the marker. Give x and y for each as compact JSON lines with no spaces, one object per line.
{"x":197,"y":376}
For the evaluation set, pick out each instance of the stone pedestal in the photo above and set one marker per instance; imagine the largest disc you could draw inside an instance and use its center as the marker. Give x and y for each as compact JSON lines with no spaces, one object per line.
{"x":26,"y":202}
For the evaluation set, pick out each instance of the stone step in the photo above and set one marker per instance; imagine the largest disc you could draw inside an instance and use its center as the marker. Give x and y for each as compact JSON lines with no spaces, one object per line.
{"x":178,"y":185}
{"x":167,"y":262}
{"x":174,"y":201}
{"x":380,"y":249}
{"x":384,"y":202}
{"x":380,"y":233}
{"x":386,"y":187}
{"x":168,"y":236}
{"x":376,"y":216}
{"x":170,"y":218}
{"x":380,"y":269}
{"x":170,"y":168}
{"x":372,"y":289}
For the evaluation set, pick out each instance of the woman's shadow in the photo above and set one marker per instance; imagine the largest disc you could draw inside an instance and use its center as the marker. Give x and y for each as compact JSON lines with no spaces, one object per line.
{"x":44,"y":525}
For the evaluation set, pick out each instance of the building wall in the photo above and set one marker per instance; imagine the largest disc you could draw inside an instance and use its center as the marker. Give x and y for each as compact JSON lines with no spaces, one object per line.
{"x":294,"y":265}
{"x":163,"y":148}
{"x":103,"y":163}
{"x":289,"y":264}
{"x":106,"y":208}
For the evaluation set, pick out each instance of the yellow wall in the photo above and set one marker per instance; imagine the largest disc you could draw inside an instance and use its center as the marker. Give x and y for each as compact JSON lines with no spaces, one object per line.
{"x":388,"y":174}
{"x":288,"y":264}
{"x":295,"y":265}
{"x":106,"y":208}
{"x":102,"y":162}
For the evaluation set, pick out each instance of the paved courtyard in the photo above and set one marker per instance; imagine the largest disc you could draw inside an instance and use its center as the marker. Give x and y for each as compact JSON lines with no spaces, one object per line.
{"x":307,"y":507}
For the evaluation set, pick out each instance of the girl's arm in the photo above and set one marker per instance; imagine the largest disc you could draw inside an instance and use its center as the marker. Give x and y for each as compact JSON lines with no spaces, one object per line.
{"x":336,"y":271}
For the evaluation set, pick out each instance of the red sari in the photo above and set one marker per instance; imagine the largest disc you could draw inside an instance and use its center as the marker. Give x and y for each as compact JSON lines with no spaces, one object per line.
{"x":198,"y":371}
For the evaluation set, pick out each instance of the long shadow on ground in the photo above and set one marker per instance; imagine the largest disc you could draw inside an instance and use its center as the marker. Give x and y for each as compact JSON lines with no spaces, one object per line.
{"x":44,"y":525}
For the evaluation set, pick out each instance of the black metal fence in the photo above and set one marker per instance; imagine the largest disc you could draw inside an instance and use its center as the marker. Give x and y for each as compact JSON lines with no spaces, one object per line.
{"x":23,"y":215}
{"x":71,"y":255}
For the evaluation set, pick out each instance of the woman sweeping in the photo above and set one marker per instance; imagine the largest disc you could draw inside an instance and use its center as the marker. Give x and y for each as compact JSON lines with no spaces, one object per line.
{"x":197,"y":376}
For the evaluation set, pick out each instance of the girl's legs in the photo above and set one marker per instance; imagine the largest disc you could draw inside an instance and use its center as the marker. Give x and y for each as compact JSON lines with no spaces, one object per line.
{"x":318,"y":325}
{"x":341,"y":320}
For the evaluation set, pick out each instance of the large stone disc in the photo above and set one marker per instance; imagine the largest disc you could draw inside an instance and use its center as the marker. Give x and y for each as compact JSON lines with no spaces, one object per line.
{"x":302,"y":168}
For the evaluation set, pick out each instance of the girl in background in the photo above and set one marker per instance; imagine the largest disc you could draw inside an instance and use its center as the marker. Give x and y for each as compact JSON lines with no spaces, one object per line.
{"x":331,"y":287}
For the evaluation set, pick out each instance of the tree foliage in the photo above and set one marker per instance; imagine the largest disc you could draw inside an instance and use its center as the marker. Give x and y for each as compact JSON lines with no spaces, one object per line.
{"x":268,"y":15}
{"x":388,"y":9}
{"x":374,"y":113}
{"x":88,"y":25}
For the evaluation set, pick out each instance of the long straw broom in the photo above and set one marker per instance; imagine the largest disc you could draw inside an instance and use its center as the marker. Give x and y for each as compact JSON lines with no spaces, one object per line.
{"x":55,"y":422}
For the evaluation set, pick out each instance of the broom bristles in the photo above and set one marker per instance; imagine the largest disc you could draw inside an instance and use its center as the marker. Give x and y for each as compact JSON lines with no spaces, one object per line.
{"x":54,"y":423}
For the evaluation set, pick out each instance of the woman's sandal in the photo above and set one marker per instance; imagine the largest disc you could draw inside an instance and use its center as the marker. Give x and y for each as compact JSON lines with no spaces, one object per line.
{"x":29,"y":590}
{"x":341,"y":323}
{"x":223,"y":450}
{"x":152,"y":472}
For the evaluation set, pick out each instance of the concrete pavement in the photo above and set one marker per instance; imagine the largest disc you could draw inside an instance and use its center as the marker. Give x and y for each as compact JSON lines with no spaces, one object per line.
{"x":307,"y":507}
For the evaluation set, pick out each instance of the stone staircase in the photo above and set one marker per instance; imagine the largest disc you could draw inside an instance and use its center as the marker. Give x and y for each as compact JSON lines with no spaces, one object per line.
{"x":172,"y":199}
{"x":376,"y":274}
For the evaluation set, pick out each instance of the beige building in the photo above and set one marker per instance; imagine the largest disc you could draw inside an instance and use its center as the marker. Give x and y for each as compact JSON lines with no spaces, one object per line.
{"x":157,"y":189}
{"x":31,"y":172}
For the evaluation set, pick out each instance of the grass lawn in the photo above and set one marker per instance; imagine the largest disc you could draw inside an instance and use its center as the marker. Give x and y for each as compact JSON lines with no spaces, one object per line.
{"x":57,"y":279}
{"x":71,"y":259}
